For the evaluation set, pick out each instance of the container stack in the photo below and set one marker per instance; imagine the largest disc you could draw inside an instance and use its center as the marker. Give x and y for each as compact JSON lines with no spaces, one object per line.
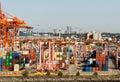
{"x":33,"y":56}
{"x":103,"y":62}
{"x":97,"y":62}
{"x":2,"y":57}
{"x":27,"y":62}
{"x":106,"y":68}
{"x":88,"y":67}
{"x":1,"y":64}
{"x":61,"y":57}
{"x":9,"y":61}
{"x":16,"y":67}
{"x":14,"y":58}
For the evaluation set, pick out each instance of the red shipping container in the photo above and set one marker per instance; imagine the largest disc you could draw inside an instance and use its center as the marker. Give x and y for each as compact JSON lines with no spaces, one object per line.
{"x":10,"y":68}
{"x":97,"y":59}
{"x":22,"y":57}
{"x":100,"y":62}
{"x":4,"y":64}
{"x":100,"y":68}
{"x":104,"y":61}
{"x":96,"y":69}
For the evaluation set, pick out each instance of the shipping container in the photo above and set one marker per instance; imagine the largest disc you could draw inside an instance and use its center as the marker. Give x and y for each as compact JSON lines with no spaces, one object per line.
{"x":16,"y":67}
{"x":91,"y":60}
{"x":4,"y":64}
{"x":27,"y":65}
{"x":27,"y":60}
{"x":86,"y":69}
{"x":1,"y":61}
{"x":94,"y":69}
{"x":1,"y":69}
{"x":25,"y":52}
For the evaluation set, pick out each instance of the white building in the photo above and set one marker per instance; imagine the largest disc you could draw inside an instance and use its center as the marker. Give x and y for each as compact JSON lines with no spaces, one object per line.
{"x":94,"y":35}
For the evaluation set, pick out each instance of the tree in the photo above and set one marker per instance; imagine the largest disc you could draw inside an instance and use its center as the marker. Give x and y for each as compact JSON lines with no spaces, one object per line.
{"x":95,"y":73}
{"x":48,"y":73}
{"x":78,"y":73}
{"x":25,"y":73}
{"x":60,"y":73}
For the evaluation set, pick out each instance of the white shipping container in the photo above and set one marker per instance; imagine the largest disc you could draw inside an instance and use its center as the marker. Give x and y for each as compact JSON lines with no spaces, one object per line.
{"x":94,"y":59}
{"x":63,"y":65}
{"x":30,"y":61}
{"x":4,"y":53}
{"x":16,"y":67}
{"x":91,"y":61}
{"x":27,"y":65}
{"x":66,"y":61}
{"x":4,"y":57}
{"x":25,"y":52}
{"x":16,"y":42}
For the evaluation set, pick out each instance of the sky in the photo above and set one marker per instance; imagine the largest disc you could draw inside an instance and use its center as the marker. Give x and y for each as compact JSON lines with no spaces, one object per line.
{"x":81,"y":15}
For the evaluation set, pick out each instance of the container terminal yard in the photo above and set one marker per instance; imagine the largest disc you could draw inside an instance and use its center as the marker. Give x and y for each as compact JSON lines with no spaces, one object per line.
{"x":41,"y":54}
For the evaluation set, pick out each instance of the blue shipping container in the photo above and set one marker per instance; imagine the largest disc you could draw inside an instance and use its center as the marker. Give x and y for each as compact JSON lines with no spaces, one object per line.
{"x":97,"y":64}
{"x":16,"y":55}
{"x":107,"y":58}
{"x":1,"y":61}
{"x":90,"y":69}
{"x":119,"y":54}
{"x":27,"y":60}
{"x":104,"y":67}
{"x":0,"y":68}
{"x":88,"y":63}
{"x":87,"y":69}
{"x":70,"y":51}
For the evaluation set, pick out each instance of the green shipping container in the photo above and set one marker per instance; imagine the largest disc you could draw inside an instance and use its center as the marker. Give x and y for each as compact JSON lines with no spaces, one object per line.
{"x":10,"y":57}
{"x":7,"y":57}
{"x":11,"y":54}
{"x":10,"y":64}
{"x":7,"y":64}
{"x":67,"y":49}
{"x":21,"y":64}
{"x":7,"y":60}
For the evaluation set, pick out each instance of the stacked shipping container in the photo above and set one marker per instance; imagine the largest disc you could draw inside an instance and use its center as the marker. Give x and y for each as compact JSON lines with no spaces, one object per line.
{"x":97,"y":62}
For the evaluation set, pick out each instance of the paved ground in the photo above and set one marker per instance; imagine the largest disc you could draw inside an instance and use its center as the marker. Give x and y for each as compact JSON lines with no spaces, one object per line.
{"x":61,"y":79}
{"x":111,"y":71}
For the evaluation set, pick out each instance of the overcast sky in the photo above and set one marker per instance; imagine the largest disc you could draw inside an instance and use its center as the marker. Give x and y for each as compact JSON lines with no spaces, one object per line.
{"x":81,"y":15}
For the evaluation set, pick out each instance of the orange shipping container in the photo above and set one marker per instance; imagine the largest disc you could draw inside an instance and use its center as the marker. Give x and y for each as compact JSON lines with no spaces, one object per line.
{"x":97,"y":56}
{"x":93,"y":69}
{"x":100,"y":68}
{"x":104,"y":60}
{"x":97,"y":59}
{"x":4,"y":64}
{"x":100,"y":62}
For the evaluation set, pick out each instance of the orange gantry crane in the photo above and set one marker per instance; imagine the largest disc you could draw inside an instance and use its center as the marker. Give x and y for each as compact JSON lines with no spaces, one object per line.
{"x":9,"y":26}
